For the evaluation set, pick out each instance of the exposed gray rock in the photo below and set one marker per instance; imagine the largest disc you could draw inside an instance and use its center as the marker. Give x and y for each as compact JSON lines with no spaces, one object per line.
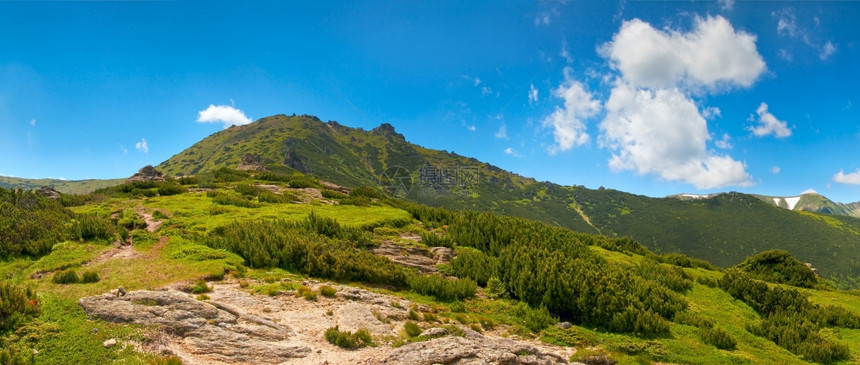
{"x":206,"y":329}
{"x":251,"y":162}
{"x":49,"y":192}
{"x":109,"y":343}
{"x":147,"y":173}
{"x":443,"y":255}
{"x":472,"y":349}
{"x":355,"y":316}
{"x":564,"y":325}
{"x":409,"y":256}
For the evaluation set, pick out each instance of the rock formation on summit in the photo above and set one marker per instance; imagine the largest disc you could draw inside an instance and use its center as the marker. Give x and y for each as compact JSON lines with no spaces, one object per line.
{"x":147,"y":173}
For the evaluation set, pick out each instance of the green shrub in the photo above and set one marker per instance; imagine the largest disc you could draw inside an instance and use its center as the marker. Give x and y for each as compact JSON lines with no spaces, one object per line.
{"x":443,"y":288}
{"x":413,"y":315}
{"x":200,"y":287}
{"x":167,"y":189}
{"x":157,"y":214}
{"x":90,"y":277}
{"x":778,"y":266}
{"x":429,"y":317}
{"x":535,"y":319}
{"x":331,"y":194}
{"x":431,"y":239}
{"x":17,"y":304}
{"x":328,"y":291}
{"x":693,"y":319}
{"x":349,"y":340}
{"x":412,"y":329}
{"x":68,"y":276}
{"x":188,"y":180}
{"x":719,"y":338}
{"x":495,"y":288}
{"x":458,"y":307}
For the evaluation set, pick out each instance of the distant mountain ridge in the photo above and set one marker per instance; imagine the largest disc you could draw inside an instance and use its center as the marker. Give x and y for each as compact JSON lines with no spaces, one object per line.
{"x":809,"y":202}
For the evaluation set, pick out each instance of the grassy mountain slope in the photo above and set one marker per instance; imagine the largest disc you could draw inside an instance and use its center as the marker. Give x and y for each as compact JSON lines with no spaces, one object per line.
{"x":193,"y":218}
{"x":724,"y":229}
{"x":63,"y":186}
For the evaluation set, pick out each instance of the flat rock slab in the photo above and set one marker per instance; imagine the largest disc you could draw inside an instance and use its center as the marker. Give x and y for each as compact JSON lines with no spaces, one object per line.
{"x":473,"y":349}
{"x":217,"y":332}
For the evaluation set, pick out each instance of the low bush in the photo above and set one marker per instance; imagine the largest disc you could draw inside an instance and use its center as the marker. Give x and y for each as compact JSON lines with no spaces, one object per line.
{"x":719,"y":338}
{"x":90,"y":277}
{"x":443,"y":288}
{"x":68,"y":276}
{"x":412,"y":329}
{"x":328,"y":291}
{"x":349,"y":340}
{"x":200,"y":287}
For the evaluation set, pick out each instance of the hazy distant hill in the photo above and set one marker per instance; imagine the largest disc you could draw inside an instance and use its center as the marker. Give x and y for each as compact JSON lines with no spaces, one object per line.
{"x":724,"y":229}
{"x":64,"y":186}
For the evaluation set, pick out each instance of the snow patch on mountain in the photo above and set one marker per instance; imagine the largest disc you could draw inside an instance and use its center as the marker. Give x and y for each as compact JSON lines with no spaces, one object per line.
{"x":792,"y":202}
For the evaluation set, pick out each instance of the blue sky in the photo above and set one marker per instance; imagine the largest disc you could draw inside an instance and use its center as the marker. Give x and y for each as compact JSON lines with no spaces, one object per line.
{"x":650,"y":97}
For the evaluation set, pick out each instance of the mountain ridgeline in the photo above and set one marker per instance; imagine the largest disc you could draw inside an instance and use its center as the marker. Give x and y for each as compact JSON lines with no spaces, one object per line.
{"x":724,"y":229}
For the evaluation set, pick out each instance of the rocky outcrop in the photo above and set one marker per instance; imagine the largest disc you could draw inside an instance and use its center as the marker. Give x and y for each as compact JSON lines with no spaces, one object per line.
{"x":416,"y":257}
{"x":216,"y":332}
{"x":49,"y":192}
{"x":473,"y":349}
{"x":147,"y":173}
{"x":251,"y":162}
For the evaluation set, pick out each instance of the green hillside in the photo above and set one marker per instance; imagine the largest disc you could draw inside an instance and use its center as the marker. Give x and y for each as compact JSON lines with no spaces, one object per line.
{"x":265,"y":233}
{"x":724,"y":229}
{"x":63,"y":186}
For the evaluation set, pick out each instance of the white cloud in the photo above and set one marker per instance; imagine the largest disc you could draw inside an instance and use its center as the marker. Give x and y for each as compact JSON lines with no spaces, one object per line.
{"x":33,"y":122}
{"x":223,"y":114}
{"x":850,"y":178}
{"x":768,"y":124}
{"x":809,"y":191}
{"x":542,"y":19}
{"x":727,"y":4}
{"x":486,"y":90}
{"x":142,"y":146}
{"x":775,"y":170}
{"x":568,"y":124}
{"x":725,"y":143}
{"x":511,"y":152}
{"x":472,"y":128}
{"x":533,"y":94}
{"x":785,"y":54}
{"x":123,"y":149}
{"x":711,"y":55}
{"x":827,"y":50}
{"x":503,"y":132}
{"x":711,"y":113}
{"x":786,"y":23}
{"x":661,"y":132}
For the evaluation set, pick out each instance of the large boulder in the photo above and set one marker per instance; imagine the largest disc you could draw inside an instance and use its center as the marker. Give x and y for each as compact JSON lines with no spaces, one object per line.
{"x":49,"y":192}
{"x":473,"y":349}
{"x":147,"y":173}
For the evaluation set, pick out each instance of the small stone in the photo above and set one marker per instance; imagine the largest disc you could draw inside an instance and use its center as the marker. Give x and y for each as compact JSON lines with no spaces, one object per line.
{"x":564,"y":325}
{"x":109,"y":343}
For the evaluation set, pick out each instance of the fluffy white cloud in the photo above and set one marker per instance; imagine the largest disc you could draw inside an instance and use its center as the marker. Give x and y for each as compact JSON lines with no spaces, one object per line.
{"x":661,"y":132}
{"x":225,"y":114}
{"x":768,"y":124}
{"x":827,"y":50}
{"x":568,"y":122}
{"x":809,"y":191}
{"x":142,"y":146}
{"x":503,"y":132}
{"x":727,"y":4}
{"x":471,"y":128}
{"x":712,"y":54}
{"x":533,"y":94}
{"x":850,"y":178}
{"x":775,"y":170}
